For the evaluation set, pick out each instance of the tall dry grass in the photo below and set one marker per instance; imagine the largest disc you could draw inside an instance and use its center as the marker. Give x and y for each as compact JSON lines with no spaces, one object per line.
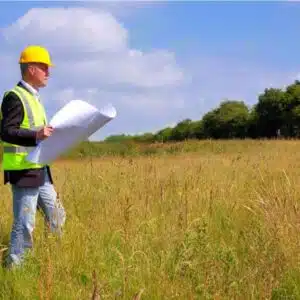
{"x":214,"y":224}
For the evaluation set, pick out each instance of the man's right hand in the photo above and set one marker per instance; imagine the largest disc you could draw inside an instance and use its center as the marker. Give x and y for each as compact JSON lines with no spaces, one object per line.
{"x":44,"y":133}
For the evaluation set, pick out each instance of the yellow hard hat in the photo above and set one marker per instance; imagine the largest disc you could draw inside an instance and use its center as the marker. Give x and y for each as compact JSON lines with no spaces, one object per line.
{"x":36,"y":54}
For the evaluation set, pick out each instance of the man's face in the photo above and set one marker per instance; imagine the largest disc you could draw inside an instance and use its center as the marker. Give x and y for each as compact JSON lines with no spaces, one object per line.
{"x":39,"y":74}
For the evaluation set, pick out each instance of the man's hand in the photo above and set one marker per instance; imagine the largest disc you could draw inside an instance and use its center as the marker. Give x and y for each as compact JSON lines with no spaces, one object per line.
{"x":44,"y":133}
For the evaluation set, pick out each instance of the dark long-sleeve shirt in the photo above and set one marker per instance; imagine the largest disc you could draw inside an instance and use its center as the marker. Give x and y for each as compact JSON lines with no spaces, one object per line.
{"x":12,"y":117}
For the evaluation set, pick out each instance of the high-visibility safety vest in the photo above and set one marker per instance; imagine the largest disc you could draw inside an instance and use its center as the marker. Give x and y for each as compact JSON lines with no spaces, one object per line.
{"x":14,"y":156}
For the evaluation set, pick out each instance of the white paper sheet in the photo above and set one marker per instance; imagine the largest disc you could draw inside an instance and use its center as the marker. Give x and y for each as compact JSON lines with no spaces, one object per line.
{"x":75,"y":122}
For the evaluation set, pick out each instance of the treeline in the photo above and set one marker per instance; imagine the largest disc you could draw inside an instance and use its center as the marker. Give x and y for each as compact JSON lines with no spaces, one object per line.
{"x":276,"y":114}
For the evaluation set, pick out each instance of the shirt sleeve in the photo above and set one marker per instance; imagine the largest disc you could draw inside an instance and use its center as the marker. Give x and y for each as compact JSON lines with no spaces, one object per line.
{"x":12,"y":117}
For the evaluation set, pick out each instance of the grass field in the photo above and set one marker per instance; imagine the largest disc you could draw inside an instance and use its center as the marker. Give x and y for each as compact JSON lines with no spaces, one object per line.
{"x":220,"y":221}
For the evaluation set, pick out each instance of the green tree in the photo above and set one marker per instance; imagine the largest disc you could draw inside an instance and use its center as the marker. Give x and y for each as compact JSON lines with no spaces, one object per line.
{"x":196,"y":130}
{"x":229,"y":120}
{"x":291,"y":109}
{"x":147,"y":137}
{"x":119,"y":138}
{"x":252,"y":128}
{"x":270,"y":112}
{"x":182,"y":130}
{"x":164,"y":135}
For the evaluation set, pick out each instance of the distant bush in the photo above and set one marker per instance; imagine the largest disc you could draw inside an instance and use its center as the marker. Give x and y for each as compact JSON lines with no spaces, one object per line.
{"x":129,"y":148}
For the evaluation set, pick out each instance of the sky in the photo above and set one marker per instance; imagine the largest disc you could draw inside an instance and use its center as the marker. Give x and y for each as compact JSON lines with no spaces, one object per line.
{"x":156,"y":62}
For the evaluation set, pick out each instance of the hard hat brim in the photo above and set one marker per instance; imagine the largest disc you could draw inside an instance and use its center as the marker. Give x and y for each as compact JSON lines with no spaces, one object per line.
{"x":37,"y":62}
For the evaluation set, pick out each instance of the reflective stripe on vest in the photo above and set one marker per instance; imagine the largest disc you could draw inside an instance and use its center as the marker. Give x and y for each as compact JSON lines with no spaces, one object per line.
{"x":27,"y":106}
{"x":17,"y":149}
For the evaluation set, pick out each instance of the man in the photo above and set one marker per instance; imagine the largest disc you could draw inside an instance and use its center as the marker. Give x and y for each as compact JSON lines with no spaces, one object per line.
{"x":23,"y":126}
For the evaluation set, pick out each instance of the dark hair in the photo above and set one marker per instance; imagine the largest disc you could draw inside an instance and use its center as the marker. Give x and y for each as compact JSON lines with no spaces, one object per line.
{"x":23,"y":68}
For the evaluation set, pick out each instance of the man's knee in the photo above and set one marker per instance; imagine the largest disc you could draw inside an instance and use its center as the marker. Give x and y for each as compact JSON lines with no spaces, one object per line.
{"x":28,"y":217}
{"x":58,"y":216}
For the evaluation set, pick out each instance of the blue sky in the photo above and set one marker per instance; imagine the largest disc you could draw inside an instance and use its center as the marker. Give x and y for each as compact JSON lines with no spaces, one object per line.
{"x":158,"y":62}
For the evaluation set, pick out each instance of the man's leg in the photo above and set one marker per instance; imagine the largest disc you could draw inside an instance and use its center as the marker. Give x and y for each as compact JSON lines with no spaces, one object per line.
{"x":51,"y":206}
{"x":24,"y":209}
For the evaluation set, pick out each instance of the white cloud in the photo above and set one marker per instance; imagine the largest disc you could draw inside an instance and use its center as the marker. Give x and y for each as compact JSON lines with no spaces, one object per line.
{"x":159,"y":102}
{"x":62,"y":96}
{"x":91,"y":47}
{"x":130,"y":102}
{"x":131,"y":67}
{"x":69,"y":30}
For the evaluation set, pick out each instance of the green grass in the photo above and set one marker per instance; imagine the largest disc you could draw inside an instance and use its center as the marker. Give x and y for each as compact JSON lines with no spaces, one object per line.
{"x":134,"y":149}
{"x":208,"y":220}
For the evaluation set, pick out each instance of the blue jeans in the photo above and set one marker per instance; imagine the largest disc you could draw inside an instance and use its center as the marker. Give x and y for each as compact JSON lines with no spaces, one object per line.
{"x":25,"y":204}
